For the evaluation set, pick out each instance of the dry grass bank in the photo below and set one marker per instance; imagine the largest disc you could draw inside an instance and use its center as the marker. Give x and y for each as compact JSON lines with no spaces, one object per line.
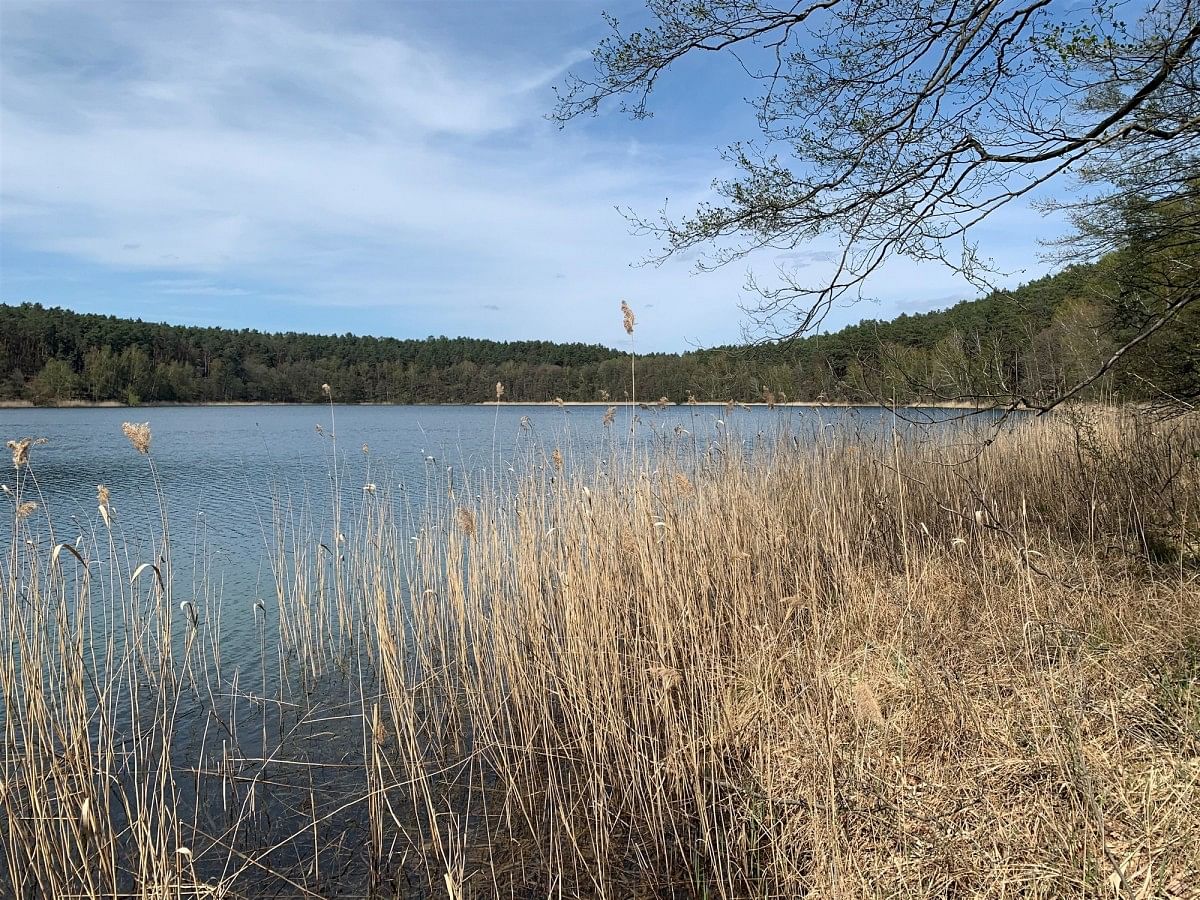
{"x":859,"y":667}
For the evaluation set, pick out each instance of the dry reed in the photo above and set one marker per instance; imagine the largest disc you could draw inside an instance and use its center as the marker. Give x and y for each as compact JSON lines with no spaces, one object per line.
{"x":20,"y":451}
{"x":138,"y":435}
{"x":854,"y":666}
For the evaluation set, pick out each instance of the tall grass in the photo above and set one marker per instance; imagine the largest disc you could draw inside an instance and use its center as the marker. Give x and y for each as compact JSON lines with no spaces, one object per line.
{"x":845,"y":666}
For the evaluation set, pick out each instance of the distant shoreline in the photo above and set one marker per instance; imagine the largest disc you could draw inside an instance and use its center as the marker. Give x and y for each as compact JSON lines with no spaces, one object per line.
{"x":804,"y":404}
{"x":116,"y":404}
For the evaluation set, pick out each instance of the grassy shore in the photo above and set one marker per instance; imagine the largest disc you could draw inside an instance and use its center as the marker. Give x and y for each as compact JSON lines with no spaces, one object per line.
{"x":855,"y":665}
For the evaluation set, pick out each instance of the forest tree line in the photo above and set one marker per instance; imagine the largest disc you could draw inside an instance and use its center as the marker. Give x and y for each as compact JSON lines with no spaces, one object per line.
{"x":1036,"y":341}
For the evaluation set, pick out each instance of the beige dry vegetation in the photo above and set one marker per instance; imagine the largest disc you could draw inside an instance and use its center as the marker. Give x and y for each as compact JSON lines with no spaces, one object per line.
{"x":854,"y":666}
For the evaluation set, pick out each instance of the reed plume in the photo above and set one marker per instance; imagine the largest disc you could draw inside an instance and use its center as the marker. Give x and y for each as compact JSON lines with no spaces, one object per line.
{"x":628,"y":320}
{"x":20,"y":452}
{"x":138,"y":435}
{"x":103,"y":506}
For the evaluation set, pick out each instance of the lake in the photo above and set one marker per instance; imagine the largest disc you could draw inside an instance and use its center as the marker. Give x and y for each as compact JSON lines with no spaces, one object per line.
{"x":226,"y":470}
{"x":222,"y":468}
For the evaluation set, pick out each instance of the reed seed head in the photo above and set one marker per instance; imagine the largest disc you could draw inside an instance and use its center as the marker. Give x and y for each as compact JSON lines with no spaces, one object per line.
{"x":466,"y":521}
{"x":20,"y":451}
{"x":609,"y":415}
{"x":87,"y":821}
{"x":668,"y":677}
{"x":556,"y":457}
{"x":102,"y":500}
{"x":138,"y":434}
{"x":499,"y":390}
{"x":327,"y":390}
{"x":628,"y":318}
{"x":26,"y":509}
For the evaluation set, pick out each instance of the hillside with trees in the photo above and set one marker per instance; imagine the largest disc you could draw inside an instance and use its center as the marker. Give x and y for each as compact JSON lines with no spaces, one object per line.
{"x":1037,"y":341}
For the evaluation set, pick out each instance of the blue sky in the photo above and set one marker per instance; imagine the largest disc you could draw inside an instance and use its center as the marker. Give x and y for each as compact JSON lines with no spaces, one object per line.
{"x":380,"y":168}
